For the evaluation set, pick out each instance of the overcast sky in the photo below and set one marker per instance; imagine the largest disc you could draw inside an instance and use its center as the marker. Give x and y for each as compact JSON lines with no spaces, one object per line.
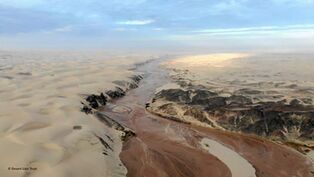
{"x":164,"y":24}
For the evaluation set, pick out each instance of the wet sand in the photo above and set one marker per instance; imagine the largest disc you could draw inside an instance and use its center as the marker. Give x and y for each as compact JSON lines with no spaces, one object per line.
{"x":167,"y":148}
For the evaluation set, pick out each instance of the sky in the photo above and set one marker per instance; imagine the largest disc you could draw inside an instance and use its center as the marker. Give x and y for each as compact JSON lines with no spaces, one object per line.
{"x":158,"y":24}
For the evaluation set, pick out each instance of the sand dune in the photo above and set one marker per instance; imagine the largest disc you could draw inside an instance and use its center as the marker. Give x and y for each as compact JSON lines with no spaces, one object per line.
{"x":40,"y":96}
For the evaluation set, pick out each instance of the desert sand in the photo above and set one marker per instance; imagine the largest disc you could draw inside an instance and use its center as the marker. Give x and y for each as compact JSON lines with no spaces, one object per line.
{"x":284,"y":75}
{"x":42,"y":130}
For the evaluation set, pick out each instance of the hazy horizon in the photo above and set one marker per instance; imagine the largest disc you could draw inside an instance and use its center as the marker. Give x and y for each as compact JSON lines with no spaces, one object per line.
{"x":158,"y":25}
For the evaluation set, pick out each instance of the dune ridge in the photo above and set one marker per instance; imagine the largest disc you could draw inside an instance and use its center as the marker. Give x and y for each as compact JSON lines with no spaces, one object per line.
{"x":42,"y":130}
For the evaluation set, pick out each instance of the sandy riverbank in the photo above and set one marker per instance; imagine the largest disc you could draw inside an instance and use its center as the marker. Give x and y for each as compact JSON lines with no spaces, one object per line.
{"x":42,"y":131}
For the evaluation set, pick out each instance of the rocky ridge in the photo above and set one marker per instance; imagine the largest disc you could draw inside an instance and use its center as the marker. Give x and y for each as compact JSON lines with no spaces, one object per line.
{"x":93,"y":103}
{"x":290,"y":122}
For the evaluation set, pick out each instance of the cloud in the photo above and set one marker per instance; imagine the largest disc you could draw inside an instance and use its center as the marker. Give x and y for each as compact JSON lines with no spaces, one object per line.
{"x":290,"y":31}
{"x":225,"y":31}
{"x":125,"y":29}
{"x":63,"y":29}
{"x":294,"y":1}
{"x":229,"y":6}
{"x":158,"y":29}
{"x":136,"y":22}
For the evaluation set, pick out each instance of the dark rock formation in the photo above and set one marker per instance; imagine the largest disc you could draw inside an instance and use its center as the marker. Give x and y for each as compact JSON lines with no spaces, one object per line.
{"x":77,"y":127}
{"x":168,"y":109}
{"x":269,"y":119}
{"x":201,"y":97}
{"x":238,"y":100}
{"x":25,"y":73}
{"x":215,"y":102}
{"x":86,"y":109}
{"x":307,"y":100}
{"x":175,"y":95}
{"x":130,"y":84}
{"x":295,"y":102}
{"x":136,"y":78}
{"x":127,"y":135}
{"x":247,"y":91}
{"x":94,"y":101}
{"x":198,"y":114}
{"x":105,"y":144}
{"x":117,"y":93}
{"x":238,"y":113}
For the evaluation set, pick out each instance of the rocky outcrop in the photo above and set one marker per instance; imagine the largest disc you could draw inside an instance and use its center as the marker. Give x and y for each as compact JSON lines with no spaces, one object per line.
{"x":201,"y":97}
{"x":132,"y":84}
{"x":126,"y":132}
{"x":274,"y":119}
{"x":93,"y":102}
{"x":238,"y":100}
{"x":175,"y":95}
{"x":198,"y":114}
{"x":117,"y":93}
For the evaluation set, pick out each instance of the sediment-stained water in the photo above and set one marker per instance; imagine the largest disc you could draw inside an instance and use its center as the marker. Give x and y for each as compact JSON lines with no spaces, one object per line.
{"x":167,"y":148}
{"x":232,"y":159}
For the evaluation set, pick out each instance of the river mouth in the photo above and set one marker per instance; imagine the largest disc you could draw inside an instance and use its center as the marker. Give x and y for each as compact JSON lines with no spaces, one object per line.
{"x":167,"y":148}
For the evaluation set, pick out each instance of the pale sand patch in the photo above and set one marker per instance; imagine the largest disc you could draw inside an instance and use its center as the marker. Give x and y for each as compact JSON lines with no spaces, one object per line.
{"x":40,"y":94}
{"x":277,"y":76}
{"x":214,"y":60}
{"x":238,"y":166}
{"x":167,"y":86}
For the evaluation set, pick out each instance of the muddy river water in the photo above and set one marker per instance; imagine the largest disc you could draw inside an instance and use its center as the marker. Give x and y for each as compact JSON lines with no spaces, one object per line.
{"x":165,"y":148}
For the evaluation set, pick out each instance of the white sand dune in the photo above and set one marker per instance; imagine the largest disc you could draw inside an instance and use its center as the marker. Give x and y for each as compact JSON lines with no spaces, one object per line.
{"x":40,"y":94}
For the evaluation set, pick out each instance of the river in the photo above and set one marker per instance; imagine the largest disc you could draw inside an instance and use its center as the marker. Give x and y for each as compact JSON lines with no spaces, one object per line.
{"x":165,"y":148}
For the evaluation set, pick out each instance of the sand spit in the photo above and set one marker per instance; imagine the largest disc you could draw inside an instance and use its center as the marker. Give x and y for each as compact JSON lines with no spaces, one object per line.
{"x":42,"y":130}
{"x":238,"y":166}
